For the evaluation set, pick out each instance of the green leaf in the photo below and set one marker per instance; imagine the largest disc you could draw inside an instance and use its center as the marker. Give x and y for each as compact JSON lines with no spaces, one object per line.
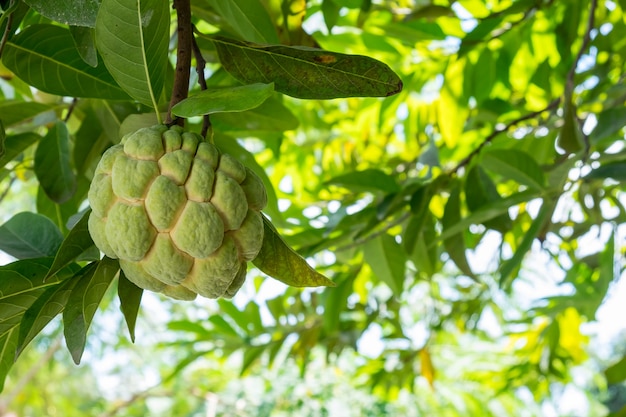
{"x":45,"y":57}
{"x":455,"y":244}
{"x":75,"y":243}
{"x":130,"y":301}
{"x":248,"y":18}
{"x":16,"y":144}
{"x":387,"y":259}
{"x":43,"y":310}
{"x":305,"y":72}
{"x":83,"y":302}
{"x":281,"y":262}
{"x":133,"y":38}
{"x":616,"y":373}
{"x":570,"y":137}
{"x":226,"y":99}
{"x":507,"y":267}
{"x":15,"y":112}
{"x":516,"y":165}
{"x":3,"y":137}
{"x":28,"y":235}
{"x":8,"y":344}
{"x":270,"y":116}
{"x":486,"y":213}
{"x":85,"y":42}
{"x":53,"y":164}
{"x":614,"y":170}
{"x":367,"y":180}
{"x":70,"y":12}
{"x":480,"y":192}
{"x":610,"y":121}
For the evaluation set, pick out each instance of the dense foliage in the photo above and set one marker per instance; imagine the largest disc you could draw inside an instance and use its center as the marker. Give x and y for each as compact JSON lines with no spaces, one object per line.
{"x":456,"y":168}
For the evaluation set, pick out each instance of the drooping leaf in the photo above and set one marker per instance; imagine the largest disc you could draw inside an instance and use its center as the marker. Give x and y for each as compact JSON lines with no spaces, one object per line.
{"x":29,"y":235}
{"x":570,"y":138}
{"x":510,"y":265}
{"x":83,"y":302}
{"x":305,"y":72}
{"x":75,"y":243}
{"x":3,"y":137}
{"x":452,"y":109}
{"x":43,"y":310}
{"x":387,"y":259}
{"x":516,"y":165}
{"x":248,"y":18}
{"x":16,"y":144}
{"x":15,"y":112}
{"x":281,"y":262}
{"x":45,"y":57}
{"x":132,"y":37}
{"x":53,"y":164}
{"x":480,"y":191}
{"x":130,"y":301}
{"x":227,"y":99}
{"x":366,"y":180}
{"x":70,"y":12}
{"x":455,"y":244}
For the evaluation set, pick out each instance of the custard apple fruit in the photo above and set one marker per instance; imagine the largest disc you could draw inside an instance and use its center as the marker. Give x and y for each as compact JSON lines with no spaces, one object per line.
{"x":181,"y":218}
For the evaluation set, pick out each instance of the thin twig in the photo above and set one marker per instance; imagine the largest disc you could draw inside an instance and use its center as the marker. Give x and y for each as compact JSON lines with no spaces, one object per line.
{"x":70,"y":109}
{"x":553,"y":104}
{"x":183,"y":58}
{"x":200,"y":65}
{"x":583,"y":47}
{"x":7,"y":31}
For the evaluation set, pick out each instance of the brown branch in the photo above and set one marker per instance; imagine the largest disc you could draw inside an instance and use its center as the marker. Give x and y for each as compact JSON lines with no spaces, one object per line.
{"x":183,"y":58}
{"x":553,"y":104}
{"x":200,"y":65}
{"x":70,"y":110}
{"x":7,"y":31}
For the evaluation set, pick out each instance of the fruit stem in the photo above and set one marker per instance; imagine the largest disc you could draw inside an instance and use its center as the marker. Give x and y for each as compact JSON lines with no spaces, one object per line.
{"x":200,"y":65}
{"x":183,"y":58}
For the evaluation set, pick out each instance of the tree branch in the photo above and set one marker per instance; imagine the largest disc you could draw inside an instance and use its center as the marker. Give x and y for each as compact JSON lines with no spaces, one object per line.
{"x":183,"y":58}
{"x":553,"y":104}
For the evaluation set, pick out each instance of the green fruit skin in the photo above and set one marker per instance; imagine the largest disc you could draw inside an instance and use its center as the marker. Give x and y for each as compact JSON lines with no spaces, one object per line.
{"x":182,"y":219}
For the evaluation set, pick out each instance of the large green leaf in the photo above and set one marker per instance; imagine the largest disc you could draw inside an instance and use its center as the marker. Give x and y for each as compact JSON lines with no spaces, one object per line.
{"x":15,"y":112}
{"x":270,"y":116}
{"x":53,"y":164}
{"x":387,"y":259}
{"x":70,"y":12}
{"x":610,"y":121}
{"x":45,"y":57}
{"x":22,"y":282}
{"x":130,"y":301}
{"x":455,"y":244}
{"x":84,"y":299}
{"x":480,"y":191}
{"x":248,"y":18}
{"x":516,"y":165}
{"x":28,"y":235}
{"x":43,"y":310}
{"x":281,"y":262}
{"x":226,"y":99}
{"x":16,"y":144}
{"x":75,"y":243}
{"x":366,"y":180}
{"x":133,"y":38}
{"x":616,"y":373}
{"x":305,"y":72}
{"x":615,"y":170}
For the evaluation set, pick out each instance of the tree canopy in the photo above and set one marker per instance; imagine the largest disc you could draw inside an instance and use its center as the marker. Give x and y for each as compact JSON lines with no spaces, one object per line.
{"x":446,"y":178}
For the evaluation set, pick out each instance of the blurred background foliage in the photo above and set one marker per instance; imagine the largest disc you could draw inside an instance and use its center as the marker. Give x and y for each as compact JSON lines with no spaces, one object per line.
{"x":473,"y":224}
